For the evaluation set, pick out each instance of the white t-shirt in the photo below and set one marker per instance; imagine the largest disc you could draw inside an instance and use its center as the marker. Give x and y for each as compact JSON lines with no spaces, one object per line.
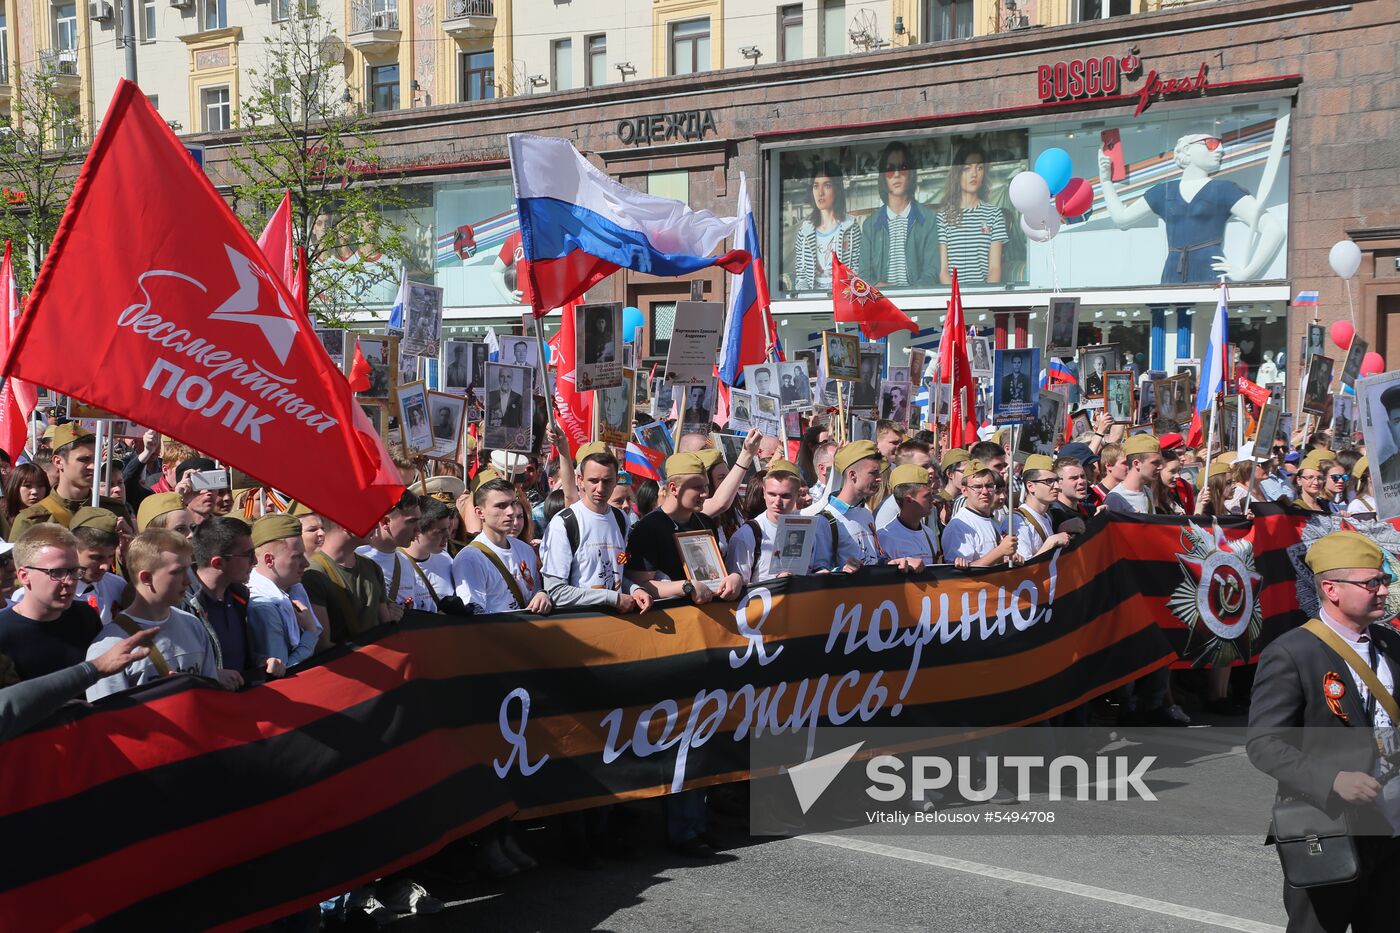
{"x":479,"y":581}
{"x":1030,"y":535}
{"x":183,"y":641}
{"x":438,"y":569}
{"x":410,"y":586}
{"x":739,"y":555}
{"x":970,"y":535}
{"x":897,"y":540}
{"x":600,"y":543}
{"x":1360,"y":505}
{"x":855,"y":533}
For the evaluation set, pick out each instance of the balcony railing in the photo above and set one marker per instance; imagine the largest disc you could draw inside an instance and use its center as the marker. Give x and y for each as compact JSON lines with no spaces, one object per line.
{"x":59,"y":62}
{"x":470,"y":19}
{"x":364,"y":18}
{"x":456,"y":9}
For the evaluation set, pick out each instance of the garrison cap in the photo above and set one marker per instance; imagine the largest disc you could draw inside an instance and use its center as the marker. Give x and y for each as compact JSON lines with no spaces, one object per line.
{"x":908,"y":473}
{"x":1142,"y":444}
{"x":156,"y":505}
{"x":780,"y":467}
{"x":952,"y":457}
{"x":855,"y":452}
{"x":275,"y":528}
{"x":684,"y":464}
{"x":70,"y":432}
{"x":91,"y":517}
{"x":1342,"y":550}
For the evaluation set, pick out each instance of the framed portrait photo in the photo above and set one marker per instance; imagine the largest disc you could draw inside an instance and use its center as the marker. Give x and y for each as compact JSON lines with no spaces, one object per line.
{"x":740,"y":410}
{"x":841,"y":354}
{"x":519,"y":351}
{"x":510,"y":407}
{"x":448,"y":414}
{"x":597,"y":345}
{"x":334,"y":340}
{"x":414,"y":421}
{"x":1118,"y":397}
{"x":1062,"y":327}
{"x":1094,"y":363}
{"x":793,"y":544}
{"x":697,"y":408}
{"x":381,"y":352}
{"x":612,"y":411}
{"x":979,"y":356}
{"x":699,"y":552}
{"x":1079,"y":424}
{"x":1317,"y":386}
{"x":422,"y":320}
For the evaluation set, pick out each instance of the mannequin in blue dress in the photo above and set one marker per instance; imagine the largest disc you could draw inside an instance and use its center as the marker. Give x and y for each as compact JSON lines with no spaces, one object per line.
{"x":1195,"y":208}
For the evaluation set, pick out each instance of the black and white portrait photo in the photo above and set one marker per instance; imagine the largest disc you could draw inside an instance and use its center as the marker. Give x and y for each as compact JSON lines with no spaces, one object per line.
{"x":413,"y":415}
{"x":979,"y":356}
{"x":1094,"y":362}
{"x":382,"y":356}
{"x":1317,"y":386}
{"x":422,"y":320}
{"x":794,"y":388}
{"x":519,"y":351}
{"x":894,"y":402}
{"x":1016,"y":389}
{"x":740,"y":410}
{"x":448,"y":413}
{"x":457,"y":359}
{"x":599,"y":356}
{"x":697,"y":408}
{"x":333,"y":339}
{"x":1118,"y":396}
{"x":761,"y":378}
{"x":612,"y":411}
{"x":1063,"y":324}
{"x":865,"y":395}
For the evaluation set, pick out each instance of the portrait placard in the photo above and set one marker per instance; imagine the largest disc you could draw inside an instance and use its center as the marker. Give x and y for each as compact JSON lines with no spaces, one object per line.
{"x":417,"y":435}
{"x":1317,"y":386}
{"x":841,"y":356}
{"x":612,"y":411}
{"x":894,"y":402}
{"x":1016,"y":390}
{"x":1094,"y":362}
{"x":1118,"y":396}
{"x":740,"y":410}
{"x":1380,"y":401}
{"x":1062,"y":327}
{"x":519,"y":351}
{"x":382,"y":355}
{"x":1351,"y":367}
{"x":697,"y":409}
{"x":1266,"y":428}
{"x":448,"y":413}
{"x":700,"y":555}
{"x":979,"y":357}
{"x":865,"y":394}
{"x":422,"y":320}
{"x":690,"y":359}
{"x":656,"y":436}
{"x":598,"y":359}
{"x":793,"y":544}
{"x":334,"y":340}
{"x":767,"y":415}
{"x":510,"y":407}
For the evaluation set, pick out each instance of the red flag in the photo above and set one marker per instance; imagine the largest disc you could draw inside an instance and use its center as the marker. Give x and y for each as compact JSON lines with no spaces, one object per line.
{"x":1252,"y":391}
{"x":189,"y":330}
{"x":303,"y":283}
{"x":858,"y":302}
{"x":574,"y":408}
{"x":359,"y":370}
{"x":954,"y":371}
{"x":17,"y":399}
{"x":276,"y":241}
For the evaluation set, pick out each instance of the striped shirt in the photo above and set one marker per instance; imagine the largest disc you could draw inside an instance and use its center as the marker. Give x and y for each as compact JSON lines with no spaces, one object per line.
{"x":897,"y":275}
{"x":970,"y":241}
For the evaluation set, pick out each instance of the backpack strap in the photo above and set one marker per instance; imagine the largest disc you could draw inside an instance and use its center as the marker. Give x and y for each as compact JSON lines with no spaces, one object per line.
{"x":339,"y":587}
{"x":57,"y":509}
{"x":835,"y":536}
{"x":424,"y":577}
{"x":752,"y":525}
{"x":131,"y":628}
{"x":571,"y":528}
{"x":621,"y":523}
{"x":506,"y":575}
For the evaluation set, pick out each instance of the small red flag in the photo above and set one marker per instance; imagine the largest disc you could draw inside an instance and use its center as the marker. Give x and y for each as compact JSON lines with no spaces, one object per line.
{"x":858,"y":302}
{"x":359,"y":370}
{"x":190,"y":330}
{"x":954,"y":371}
{"x":276,"y":239}
{"x":17,"y":399}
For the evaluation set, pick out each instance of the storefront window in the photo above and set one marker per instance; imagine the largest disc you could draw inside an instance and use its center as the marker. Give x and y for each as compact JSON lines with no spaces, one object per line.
{"x":1183,"y":195}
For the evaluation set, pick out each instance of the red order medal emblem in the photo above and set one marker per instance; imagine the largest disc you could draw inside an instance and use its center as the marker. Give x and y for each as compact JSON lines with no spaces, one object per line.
{"x":1333,"y":688}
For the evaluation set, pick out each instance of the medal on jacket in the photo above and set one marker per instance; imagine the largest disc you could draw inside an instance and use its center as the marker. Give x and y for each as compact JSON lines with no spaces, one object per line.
{"x":1333,"y":689}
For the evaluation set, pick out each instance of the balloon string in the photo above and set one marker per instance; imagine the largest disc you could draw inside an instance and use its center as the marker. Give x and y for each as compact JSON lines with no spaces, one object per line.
{"x":1351,"y":308}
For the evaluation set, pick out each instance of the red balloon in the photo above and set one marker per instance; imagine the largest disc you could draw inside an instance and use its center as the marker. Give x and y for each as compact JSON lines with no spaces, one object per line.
{"x":1372,"y":363}
{"x":1342,"y":332}
{"x":1075,"y":198}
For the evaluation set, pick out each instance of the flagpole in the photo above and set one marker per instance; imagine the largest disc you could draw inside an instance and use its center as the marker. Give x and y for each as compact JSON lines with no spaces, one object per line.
{"x":95,"y":477}
{"x":544,"y":376}
{"x":1011,"y":487}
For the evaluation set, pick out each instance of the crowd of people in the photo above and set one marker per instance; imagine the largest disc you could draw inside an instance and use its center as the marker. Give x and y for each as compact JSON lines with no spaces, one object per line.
{"x":175,"y":571}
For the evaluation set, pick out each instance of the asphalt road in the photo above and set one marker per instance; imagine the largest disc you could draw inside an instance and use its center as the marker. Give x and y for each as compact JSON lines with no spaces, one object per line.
{"x":854,"y":880}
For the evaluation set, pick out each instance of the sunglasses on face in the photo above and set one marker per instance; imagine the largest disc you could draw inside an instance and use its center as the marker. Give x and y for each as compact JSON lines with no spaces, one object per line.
{"x":1339,"y":477}
{"x":896,"y":167}
{"x":1211,"y":143}
{"x":1371,"y":585}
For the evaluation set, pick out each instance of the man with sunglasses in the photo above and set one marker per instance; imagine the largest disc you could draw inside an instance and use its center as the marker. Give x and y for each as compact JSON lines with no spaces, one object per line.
{"x":900,"y":240}
{"x":1309,"y":684}
{"x":46,"y":630}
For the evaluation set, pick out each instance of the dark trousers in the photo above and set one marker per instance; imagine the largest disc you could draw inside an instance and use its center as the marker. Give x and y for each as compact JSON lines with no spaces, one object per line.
{"x":1367,"y":904}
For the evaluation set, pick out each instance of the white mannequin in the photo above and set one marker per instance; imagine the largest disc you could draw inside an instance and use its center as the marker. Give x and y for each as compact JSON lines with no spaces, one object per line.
{"x":1198,"y":163}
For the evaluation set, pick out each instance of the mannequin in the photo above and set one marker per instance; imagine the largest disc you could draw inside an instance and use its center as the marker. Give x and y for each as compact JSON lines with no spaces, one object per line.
{"x":1196,"y":209}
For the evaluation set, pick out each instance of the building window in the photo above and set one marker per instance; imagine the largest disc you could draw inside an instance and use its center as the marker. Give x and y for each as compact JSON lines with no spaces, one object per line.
{"x":690,"y":46}
{"x":948,"y":19}
{"x":1102,"y":9}
{"x":155,"y":101}
{"x":562,"y":55}
{"x":790,"y":32}
{"x":597,"y":60}
{"x":478,"y":75}
{"x":281,"y":10}
{"x":384,"y":87}
{"x":673,"y":185}
{"x":4,"y":49}
{"x":65,"y":27}
{"x":148,"y":20}
{"x":218,"y":112}
{"x":213,"y":14}
{"x":833,"y":28}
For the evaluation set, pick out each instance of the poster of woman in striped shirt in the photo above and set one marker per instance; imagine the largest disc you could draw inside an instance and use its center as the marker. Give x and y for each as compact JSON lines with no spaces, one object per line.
{"x":971,"y":230}
{"x":828,"y":229}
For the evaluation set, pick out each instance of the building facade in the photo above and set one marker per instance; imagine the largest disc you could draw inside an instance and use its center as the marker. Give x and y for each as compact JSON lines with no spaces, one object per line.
{"x":1240,"y":138}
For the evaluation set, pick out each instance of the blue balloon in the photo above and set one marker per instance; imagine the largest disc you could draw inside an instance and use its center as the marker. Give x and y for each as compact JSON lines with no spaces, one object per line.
{"x":1055,"y":167}
{"x":631,"y":320}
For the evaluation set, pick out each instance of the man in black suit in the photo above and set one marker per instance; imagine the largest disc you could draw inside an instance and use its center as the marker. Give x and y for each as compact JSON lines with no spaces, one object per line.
{"x":1303,"y":691}
{"x":1015,"y":387}
{"x":695,"y":410}
{"x":506,"y":406}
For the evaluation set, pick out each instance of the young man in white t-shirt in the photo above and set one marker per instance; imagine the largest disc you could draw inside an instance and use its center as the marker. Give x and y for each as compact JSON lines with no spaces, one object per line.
{"x":908,"y":540}
{"x":428,"y":549}
{"x":1142,"y":453}
{"x":498,"y":572}
{"x":972,"y":533}
{"x":584,"y":567}
{"x":909,"y":452}
{"x":159,"y":563}
{"x":858,"y":464}
{"x":395,"y":530}
{"x":1032,"y":522}
{"x":781,"y":488}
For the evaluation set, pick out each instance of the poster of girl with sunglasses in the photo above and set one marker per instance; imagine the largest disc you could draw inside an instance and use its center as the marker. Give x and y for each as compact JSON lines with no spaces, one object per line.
{"x":1197,"y":206}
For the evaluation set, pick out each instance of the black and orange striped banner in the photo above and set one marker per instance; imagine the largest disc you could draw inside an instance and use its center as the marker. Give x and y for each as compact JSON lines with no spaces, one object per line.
{"x":229,"y":809}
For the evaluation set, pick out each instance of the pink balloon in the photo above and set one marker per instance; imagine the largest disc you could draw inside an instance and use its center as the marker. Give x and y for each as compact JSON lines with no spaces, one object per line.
{"x":1075,"y":198}
{"x":1372,"y":363}
{"x":1342,"y":332}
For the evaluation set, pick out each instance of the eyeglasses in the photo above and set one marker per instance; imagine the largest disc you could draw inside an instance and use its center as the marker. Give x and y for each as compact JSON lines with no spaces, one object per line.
{"x":981,"y":487}
{"x":57,"y":574}
{"x":1211,"y":143}
{"x":897,"y":167}
{"x":1371,"y":585}
{"x":1339,"y":477}
{"x":1280,"y":450}
{"x":1048,"y":482}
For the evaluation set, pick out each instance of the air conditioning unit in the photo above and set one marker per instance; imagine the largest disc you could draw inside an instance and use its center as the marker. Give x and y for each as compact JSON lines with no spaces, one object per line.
{"x":181,"y":4}
{"x":100,"y":11}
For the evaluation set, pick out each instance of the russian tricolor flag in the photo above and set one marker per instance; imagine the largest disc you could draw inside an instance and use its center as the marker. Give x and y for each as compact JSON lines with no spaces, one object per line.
{"x":643,"y":461}
{"x":748,"y":326}
{"x":578,"y":226}
{"x":1213,"y":367}
{"x":1056,"y":373}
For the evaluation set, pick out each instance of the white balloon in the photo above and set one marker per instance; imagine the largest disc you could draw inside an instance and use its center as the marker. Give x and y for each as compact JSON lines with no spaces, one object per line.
{"x":1029,"y":193}
{"x":1042,"y":232}
{"x":1345,"y":258}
